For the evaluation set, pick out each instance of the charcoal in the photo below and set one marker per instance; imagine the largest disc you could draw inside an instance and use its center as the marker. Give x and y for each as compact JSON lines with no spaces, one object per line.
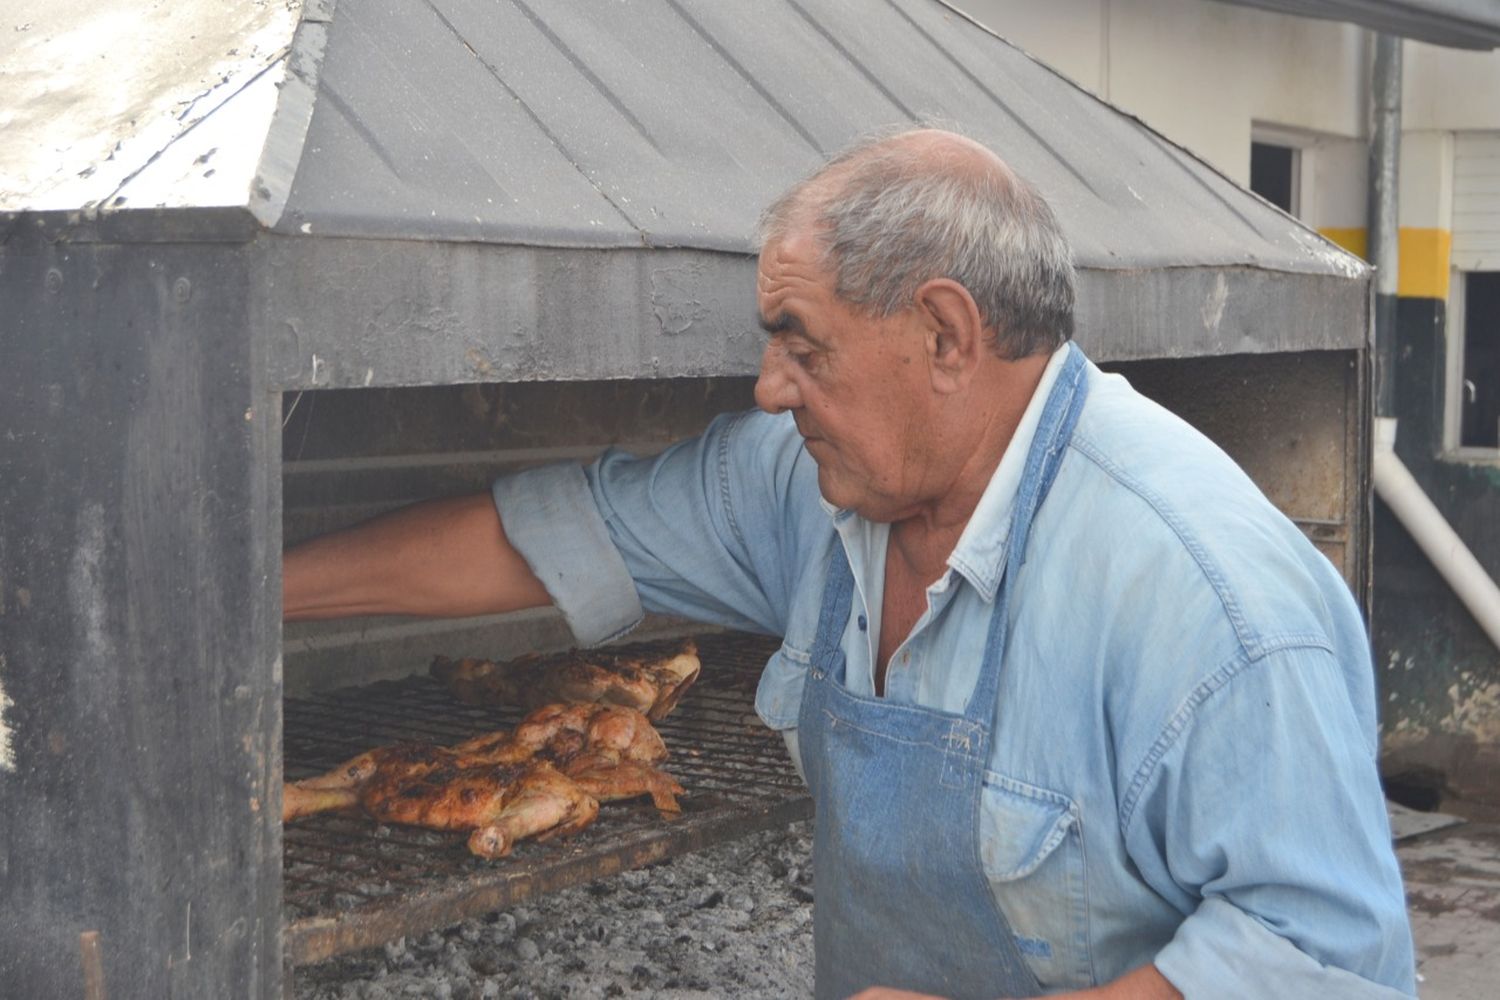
{"x":731,"y":920}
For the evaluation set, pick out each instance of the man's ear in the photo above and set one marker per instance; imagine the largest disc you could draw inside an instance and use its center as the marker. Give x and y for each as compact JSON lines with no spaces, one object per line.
{"x":954,"y":331}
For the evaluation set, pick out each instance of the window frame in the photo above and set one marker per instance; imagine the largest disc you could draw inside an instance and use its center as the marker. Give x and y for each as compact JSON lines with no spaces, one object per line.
{"x":1304,"y":149}
{"x":1455,"y":332}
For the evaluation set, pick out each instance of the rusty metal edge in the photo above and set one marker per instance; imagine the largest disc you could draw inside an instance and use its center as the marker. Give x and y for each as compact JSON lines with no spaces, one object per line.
{"x":316,"y":938}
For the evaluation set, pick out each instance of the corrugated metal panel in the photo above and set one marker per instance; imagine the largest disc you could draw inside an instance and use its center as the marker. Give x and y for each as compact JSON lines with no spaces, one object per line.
{"x":669,"y":123}
{"x":1464,"y":24}
{"x":1476,"y":201}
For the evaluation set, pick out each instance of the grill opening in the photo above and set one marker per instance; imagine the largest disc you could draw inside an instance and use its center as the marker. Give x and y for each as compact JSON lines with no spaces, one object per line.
{"x":351,"y":883}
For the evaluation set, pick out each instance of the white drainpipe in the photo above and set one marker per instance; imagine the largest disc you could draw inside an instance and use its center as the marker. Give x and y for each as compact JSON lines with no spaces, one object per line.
{"x":1393,"y":481}
{"x":1452,"y":558}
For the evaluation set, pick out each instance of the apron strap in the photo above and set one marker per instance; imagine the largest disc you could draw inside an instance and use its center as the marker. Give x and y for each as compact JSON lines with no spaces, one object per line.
{"x":1053,"y":432}
{"x":838,"y":597}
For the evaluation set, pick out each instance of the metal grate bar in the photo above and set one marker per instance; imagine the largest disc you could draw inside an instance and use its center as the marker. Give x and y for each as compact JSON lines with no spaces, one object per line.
{"x":349,"y":883}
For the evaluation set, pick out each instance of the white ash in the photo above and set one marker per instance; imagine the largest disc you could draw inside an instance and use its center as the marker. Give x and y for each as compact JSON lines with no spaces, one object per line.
{"x":732,"y":920}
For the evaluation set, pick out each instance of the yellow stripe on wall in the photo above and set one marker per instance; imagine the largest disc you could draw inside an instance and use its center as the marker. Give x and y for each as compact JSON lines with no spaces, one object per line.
{"x":1425,"y":256}
{"x":1353,"y":240}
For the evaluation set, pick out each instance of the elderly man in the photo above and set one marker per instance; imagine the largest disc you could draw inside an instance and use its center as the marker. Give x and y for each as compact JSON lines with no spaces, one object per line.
{"x":1076,"y":704}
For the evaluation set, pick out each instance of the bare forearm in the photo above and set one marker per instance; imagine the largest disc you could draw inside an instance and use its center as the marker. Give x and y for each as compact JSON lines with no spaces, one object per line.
{"x":1144,"y":983}
{"x":442,"y":558}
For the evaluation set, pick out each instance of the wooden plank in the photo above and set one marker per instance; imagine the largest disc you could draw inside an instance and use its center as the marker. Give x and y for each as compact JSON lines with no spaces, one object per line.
{"x":139,"y":598}
{"x":93,"y":965}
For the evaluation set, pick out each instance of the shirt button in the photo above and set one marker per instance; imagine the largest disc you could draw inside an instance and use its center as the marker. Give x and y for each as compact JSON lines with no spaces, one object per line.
{"x":906,"y":657}
{"x":863,"y":623}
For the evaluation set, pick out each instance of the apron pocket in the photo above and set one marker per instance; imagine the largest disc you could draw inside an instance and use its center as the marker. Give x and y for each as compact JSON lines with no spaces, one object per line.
{"x":1031,"y":846}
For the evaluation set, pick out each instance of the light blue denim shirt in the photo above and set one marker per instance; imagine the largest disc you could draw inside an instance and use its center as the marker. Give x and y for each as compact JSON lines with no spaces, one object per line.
{"x":1183,"y":767}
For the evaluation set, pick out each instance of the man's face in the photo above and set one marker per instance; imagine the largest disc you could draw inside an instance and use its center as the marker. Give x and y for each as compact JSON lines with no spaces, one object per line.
{"x":857,"y":387}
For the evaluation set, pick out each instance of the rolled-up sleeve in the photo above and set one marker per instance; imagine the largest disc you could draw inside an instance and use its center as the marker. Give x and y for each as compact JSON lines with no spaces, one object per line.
{"x":551,"y":518}
{"x":707,"y":530}
{"x":1221,"y":952}
{"x":1260,"y":815}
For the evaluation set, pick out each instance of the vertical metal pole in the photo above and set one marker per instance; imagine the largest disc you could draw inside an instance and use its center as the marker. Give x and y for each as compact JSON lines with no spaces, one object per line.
{"x":1385,"y":155}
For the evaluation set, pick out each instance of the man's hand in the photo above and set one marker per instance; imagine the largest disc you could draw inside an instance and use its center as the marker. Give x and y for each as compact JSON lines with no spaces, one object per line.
{"x":1144,"y":983}
{"x":443,"y":558}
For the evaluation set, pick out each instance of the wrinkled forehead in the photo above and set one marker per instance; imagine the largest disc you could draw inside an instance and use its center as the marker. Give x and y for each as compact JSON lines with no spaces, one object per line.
{"x":792,"y":266}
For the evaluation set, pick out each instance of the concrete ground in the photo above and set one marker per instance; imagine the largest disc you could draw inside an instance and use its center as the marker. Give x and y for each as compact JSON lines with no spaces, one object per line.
{"x":1453,"y":893}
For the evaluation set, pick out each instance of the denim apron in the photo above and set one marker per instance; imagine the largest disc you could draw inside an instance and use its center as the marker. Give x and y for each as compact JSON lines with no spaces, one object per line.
{"x":900,"y":894}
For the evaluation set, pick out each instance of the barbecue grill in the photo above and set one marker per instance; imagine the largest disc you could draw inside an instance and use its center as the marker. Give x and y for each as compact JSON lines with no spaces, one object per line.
{"x":315,"y":229}
{"x":351,"y":884}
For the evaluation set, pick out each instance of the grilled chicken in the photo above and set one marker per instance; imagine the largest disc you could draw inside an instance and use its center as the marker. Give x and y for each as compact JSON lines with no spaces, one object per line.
{"x":340,"y":788}
{"x":649,"y":684}
{"x":545,"y":805}
{"x":298,"y":801}
{"x":625,"y":732}
{"x":611,"y":780}
{"x":553,"y":732}
{"x":543,"y":779}
{"x":500,"y":803}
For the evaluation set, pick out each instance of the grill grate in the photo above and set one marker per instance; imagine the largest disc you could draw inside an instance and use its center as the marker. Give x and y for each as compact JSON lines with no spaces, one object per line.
{"x":349,"y":883}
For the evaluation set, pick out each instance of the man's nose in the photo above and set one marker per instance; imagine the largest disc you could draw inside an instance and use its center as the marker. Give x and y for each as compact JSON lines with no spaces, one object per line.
{"x":774,"y":391}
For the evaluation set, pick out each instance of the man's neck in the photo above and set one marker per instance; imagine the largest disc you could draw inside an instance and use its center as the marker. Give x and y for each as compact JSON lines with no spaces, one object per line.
{"x":993,"y":408}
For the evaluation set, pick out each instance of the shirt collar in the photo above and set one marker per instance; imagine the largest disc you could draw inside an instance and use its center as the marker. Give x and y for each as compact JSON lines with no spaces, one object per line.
{"x":979,"y":555}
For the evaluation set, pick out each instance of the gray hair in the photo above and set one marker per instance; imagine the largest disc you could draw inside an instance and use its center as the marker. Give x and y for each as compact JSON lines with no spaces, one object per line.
{"x":890,"y":218}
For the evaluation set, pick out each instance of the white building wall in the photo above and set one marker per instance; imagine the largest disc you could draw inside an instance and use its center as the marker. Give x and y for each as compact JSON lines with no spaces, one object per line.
{"x":1425,"y":192}
{"x":1210,"y":75}
{"x":1197,"y":71}
{"x":1450,"y":89}
{"x":1186,"y":65}
{"x":1068,"y":35}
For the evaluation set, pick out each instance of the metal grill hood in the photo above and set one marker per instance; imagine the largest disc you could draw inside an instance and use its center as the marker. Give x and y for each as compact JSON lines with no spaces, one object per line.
{"x":658,"y":125}
{"x":670,"y":124}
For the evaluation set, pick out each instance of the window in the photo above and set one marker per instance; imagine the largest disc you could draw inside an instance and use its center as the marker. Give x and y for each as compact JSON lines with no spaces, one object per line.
{"x":1275,"y":174}
{"x":1282,"y":162}
{"x":1471,"y":417}
{"x":1478,"y":381}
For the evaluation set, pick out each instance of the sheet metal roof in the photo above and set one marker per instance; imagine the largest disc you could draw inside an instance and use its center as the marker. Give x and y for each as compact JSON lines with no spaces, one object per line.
{"x":671,"y":123}
{"x":551,"y":123}
{"x":625,"y":125}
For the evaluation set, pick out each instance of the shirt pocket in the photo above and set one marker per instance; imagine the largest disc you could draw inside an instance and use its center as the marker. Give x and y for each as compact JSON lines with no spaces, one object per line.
{"x":1031,"y":847}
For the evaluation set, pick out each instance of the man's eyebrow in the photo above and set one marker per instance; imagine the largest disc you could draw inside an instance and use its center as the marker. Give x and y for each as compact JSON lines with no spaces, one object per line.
{"x":788,"y":323}
{"x":783,"y":323}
